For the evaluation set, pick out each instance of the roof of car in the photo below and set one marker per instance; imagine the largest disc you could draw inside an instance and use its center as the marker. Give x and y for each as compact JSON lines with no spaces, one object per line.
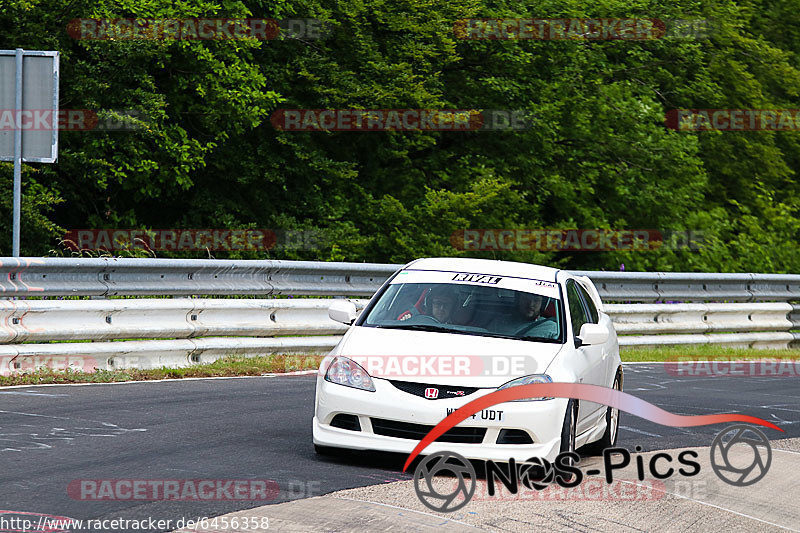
{"x":485,"y":266}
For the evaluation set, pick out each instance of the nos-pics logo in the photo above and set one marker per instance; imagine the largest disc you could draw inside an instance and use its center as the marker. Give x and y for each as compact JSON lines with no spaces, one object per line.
{"x":446,"y":481}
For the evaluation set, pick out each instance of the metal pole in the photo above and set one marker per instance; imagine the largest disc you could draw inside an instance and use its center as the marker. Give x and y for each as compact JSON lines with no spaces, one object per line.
{"x":17,"y":156}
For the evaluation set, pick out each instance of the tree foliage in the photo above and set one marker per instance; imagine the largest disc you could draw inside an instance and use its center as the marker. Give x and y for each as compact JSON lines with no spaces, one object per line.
{"x":597,"y":154}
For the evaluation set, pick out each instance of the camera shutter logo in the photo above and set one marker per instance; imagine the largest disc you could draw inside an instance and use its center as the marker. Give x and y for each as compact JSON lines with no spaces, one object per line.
{"x":728,"y":468}
{"x":445,"y":462}
{"x":537,"y":473}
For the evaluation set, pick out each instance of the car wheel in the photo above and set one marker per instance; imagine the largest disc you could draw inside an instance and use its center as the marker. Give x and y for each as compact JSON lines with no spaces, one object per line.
{"x":609,"y":438}
{"x":568,"y":429}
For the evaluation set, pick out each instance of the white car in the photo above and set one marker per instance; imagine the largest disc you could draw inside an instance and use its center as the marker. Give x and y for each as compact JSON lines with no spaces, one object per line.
{"x":441,"y":332}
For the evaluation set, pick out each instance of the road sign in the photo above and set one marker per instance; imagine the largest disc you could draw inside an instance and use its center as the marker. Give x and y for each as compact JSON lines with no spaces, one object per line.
{"x":28,"y":89}
{"x":39,"y":96}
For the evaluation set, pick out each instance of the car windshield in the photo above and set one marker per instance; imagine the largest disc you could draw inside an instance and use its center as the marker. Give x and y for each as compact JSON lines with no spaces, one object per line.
{"x":476,"y":308}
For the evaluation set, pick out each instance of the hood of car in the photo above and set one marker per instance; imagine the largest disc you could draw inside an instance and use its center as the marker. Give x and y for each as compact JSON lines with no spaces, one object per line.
{"x":444,"y":358}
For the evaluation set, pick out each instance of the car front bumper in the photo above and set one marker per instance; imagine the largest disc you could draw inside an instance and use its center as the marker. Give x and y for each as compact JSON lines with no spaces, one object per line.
{"x":389,"y":406}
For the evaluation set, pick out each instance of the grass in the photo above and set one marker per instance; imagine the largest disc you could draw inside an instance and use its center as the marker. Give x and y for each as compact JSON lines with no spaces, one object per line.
{"x":701,"y":352}
{"x":237,"y":365}
{"x":227,"y":366}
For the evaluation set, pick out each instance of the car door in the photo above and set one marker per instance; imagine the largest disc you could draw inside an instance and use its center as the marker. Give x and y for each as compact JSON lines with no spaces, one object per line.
{"x":596,"y":317}
{"x":589,"y":359}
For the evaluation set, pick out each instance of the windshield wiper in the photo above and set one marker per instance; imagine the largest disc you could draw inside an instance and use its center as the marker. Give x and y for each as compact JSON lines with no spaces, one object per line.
{"x":532,"y":338}
{"x":420,"y":327}
{"x":433,"y":327}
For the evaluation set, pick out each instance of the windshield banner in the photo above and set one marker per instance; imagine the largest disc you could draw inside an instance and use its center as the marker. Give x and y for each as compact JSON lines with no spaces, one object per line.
{"x":536,"y":286}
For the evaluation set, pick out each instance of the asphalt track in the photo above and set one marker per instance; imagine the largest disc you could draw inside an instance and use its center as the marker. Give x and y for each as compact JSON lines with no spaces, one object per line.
{"x":260,"y":428}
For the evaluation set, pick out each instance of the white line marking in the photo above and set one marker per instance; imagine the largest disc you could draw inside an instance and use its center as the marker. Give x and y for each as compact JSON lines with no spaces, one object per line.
{"x":786,"y":451}
{"x":295,"y":373}
{"x":640,"y":431}
{"x":31,"y":393}
{"x":34,"y":414}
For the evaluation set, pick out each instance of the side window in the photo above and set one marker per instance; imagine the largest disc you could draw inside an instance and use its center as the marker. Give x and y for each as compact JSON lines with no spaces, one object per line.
{"x":594,"y":317}
{"x":577,"y":314}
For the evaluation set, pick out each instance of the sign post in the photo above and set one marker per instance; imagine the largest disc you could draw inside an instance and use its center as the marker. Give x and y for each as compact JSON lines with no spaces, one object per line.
{"x":29,"y":79}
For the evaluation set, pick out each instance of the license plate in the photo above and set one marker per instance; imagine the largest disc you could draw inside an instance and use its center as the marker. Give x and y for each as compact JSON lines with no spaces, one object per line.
{"x":485,"y":414}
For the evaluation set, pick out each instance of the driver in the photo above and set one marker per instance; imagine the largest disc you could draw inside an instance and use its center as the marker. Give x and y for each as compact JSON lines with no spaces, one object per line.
{"x":442,"y":304}
{"x":527,"y":319}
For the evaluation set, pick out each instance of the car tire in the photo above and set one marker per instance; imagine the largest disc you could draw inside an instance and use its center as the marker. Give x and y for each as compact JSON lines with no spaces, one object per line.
{"x":609,"y":438}
{"x":568,"y":436}
{"x":568,"y":428}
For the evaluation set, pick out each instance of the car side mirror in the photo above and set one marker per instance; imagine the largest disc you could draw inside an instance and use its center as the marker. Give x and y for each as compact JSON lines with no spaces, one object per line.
{"x":591,"y":334}
{"x":343,"y":311}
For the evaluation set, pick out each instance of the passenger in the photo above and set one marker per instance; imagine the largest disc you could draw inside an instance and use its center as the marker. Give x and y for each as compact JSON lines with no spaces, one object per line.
{"x":527,"y":319}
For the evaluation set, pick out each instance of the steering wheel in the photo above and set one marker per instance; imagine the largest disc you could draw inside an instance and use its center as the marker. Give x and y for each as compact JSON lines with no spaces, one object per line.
{"x":430,"y":318}
{"x":521,"y":332}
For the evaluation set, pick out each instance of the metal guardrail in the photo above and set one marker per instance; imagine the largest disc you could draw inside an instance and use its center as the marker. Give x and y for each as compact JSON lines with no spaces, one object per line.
{"x":773,"y":340}
{"x":658,"y":319}
{"x":151,"y":318}
{"x":104,"y":277}
{"x":127,"y":333}
{"x":179,"y":332}
{"x":747,"y":325}
{"x":173,"y":353}
{"x":794,"y":316}
{"x":132,"y":332}
{"x":694,"y":287}
{"x":114,"y":319}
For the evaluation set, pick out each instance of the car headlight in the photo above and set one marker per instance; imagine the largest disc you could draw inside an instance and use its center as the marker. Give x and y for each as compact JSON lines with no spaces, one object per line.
{"x":344,"y":371}
{"x":527,"y":380}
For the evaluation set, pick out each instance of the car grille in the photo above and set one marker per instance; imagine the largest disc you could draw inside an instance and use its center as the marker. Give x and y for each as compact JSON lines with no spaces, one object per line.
{"x":445,"y":391}
{"x":405,"y":430}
